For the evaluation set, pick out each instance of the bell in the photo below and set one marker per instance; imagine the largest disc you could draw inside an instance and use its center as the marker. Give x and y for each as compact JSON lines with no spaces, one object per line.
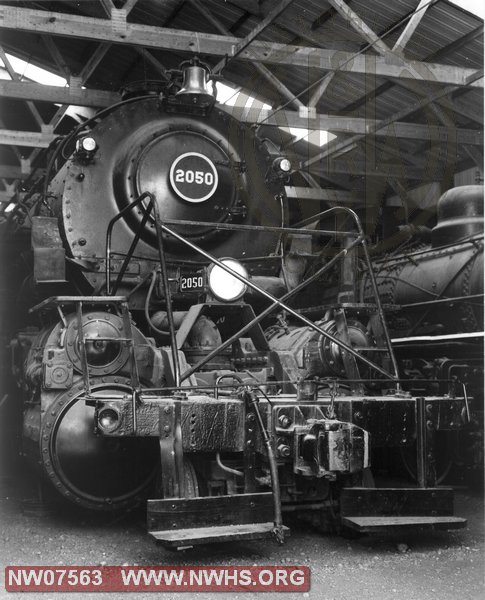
{"x":195,"y":91}
{"x":195,"y":84}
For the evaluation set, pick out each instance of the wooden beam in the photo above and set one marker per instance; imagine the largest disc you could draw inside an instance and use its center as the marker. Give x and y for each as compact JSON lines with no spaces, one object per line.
{"x":15,"y":172}
{"x":129,"y":5}
{"x":322,"y":194}
{"x":278,"y":85}
{"x":387,"y":150}
{"x":93,"y":62}
{"x":264,"y":71}
{"x":155,"y":62}
{"x":57,"y":56}
{"x":338,"y":124}
{"x":50,"y":93}
{"x":320,"y":89}
{"x":63,"y":24}
{"x":287,"y":23}
{"x":338,"y":145}
{"x":438,"y":55}
{"x":108,"y":6}
{"x":376,"y":42}
{"x":14,"y":149}
{"x":260,"y":27}
{"x":34,"y":139}
{"x":359,"y":25}
{"x":476,"y":154}
{"x":333,"y":123}
{"x":15,"y":77}
{"x":466,"y":110}
{"x":357,"y":167}
{"x":411,"y":25}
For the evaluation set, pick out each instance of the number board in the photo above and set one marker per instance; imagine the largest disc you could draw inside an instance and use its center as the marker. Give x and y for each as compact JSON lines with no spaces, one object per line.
{"x":191,"y":282}
{"x":194,"y":177}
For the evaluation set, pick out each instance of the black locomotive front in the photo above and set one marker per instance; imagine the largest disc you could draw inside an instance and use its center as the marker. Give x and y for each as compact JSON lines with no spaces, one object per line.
{"x":167,"y":221}
{"x":208,"y":171}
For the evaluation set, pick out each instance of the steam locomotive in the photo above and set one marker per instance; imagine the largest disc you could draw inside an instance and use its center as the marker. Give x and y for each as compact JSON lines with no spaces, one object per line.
{"x":175,"y":357}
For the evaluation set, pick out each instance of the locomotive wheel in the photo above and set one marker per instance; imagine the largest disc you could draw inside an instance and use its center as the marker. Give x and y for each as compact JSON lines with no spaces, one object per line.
{"x":191,"y":483}
{"x":91,"y":470}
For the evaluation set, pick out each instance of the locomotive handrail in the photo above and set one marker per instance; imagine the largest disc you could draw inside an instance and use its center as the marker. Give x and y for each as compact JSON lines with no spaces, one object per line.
{"x":266,"y":229}
{"x":321,"y":381}
{"x":276,"y":302}
{"x":372,"y":277}
{"x":151,"y":207}
{"x":109,"y":231}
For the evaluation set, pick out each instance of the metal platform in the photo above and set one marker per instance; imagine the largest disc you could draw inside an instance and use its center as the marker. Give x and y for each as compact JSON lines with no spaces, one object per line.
{"x":182,"y":522}
{"x":209,"y":535}
{"x":370,"y":510}
{"x":374,"y":524}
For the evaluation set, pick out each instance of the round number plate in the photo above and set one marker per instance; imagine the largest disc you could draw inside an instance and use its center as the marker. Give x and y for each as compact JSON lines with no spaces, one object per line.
{"x":193,"y":177}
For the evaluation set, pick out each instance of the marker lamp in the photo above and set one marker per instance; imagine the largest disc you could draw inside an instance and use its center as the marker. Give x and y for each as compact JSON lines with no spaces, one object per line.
{"x":108,"y":419}
{"x":86,"y":145}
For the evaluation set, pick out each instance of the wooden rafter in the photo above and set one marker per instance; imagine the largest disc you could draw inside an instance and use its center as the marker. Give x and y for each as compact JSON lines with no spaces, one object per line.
{"x":12,"y":17}
{"x":339,"y":145}
{"x":364,"y":168}
{"x":322,"y":194}
{"x":15,"y":78}
{"x":93,"y":62}
{"x":359,"y":25}
{"x":285,"y":24}
{"x":108,"y":6}
{"x":264,"y":71}
{"x":342,"y":124}
{"x":377,"y":43}
{"x":50,"y":93}
{"x":411,"y":25}
{"x":15,"y":172}
{"x":57,"y":56}
{"x":129,"y":5}
{"x":476,"y":154}
{"x":154,"y":61}
{"x":26,"y":138}
{"x":260,"y":27}
{"x":333,"y":123}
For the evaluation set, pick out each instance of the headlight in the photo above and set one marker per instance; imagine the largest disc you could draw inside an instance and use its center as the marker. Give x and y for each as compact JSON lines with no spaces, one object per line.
{"x":108,"y":419}
{"x":225,"y":286}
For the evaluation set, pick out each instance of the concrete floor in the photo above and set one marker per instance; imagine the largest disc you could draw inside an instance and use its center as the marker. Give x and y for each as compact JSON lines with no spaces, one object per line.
{"x":437,"y":565}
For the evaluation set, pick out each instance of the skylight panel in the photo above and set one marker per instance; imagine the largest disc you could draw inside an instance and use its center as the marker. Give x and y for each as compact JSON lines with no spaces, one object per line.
{"x":29,"y":71}
{"x":315,"y":137}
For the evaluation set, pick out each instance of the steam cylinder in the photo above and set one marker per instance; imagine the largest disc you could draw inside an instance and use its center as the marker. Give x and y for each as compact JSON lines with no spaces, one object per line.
{"x":91,"y":470}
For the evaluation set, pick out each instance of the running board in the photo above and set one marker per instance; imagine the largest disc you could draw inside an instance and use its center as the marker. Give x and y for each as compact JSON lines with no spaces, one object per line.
{"x":398,"y":524}
{"x":185,"y":522}
{"x":183,"y":538}
{"x":370,"y":510}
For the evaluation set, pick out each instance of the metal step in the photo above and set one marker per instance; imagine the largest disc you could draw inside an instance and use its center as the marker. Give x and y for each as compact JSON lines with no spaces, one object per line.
{"x":375,"y":523}
{"x":182,"y":522}
{"x":183,"y":538}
